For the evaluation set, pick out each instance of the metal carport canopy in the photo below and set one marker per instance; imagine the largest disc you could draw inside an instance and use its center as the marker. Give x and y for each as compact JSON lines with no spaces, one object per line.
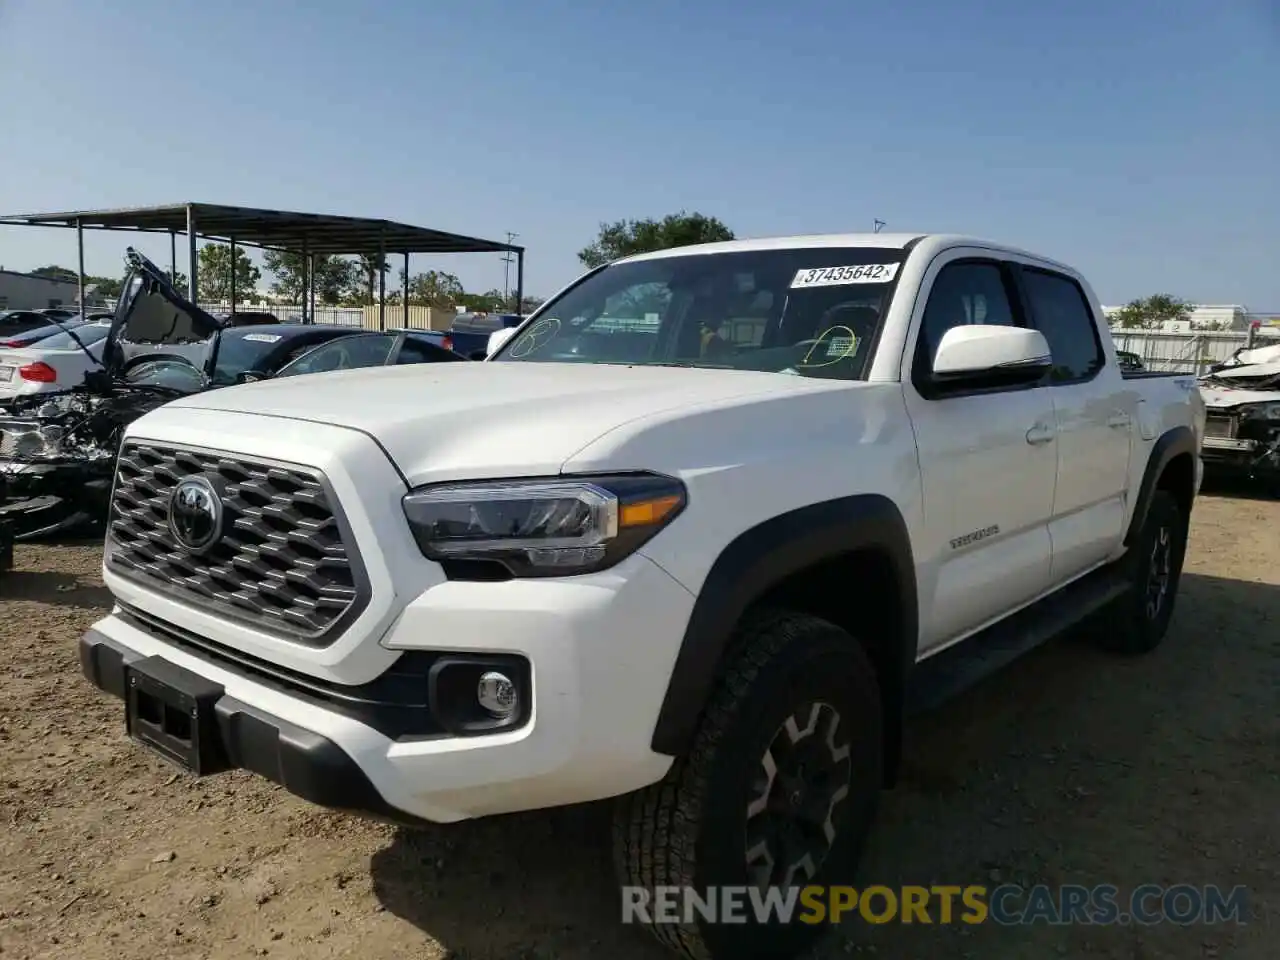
{"x":305,"y":233}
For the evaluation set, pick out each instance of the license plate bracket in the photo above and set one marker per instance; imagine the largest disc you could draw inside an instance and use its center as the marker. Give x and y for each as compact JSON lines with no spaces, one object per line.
{"x":171,"y":711}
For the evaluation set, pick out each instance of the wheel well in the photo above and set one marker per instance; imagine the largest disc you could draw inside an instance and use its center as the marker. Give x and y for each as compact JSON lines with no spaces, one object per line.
{"x":858,"y":592}
{"x":1179,"y":478}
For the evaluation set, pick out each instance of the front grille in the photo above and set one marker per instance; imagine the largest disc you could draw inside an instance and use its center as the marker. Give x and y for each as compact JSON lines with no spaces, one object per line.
{"x":281,"y":564}
{"x":1220,"y":425}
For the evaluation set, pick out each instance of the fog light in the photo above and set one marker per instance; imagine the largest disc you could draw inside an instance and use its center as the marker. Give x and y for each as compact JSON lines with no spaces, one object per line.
{"x":497,"y":694}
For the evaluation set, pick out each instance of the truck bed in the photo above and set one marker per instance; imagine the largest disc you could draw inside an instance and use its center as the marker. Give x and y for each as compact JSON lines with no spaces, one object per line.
{"x":1151,"y":374}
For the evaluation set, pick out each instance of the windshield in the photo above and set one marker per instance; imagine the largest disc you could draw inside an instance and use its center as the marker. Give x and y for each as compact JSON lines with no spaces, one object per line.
{"x":88,"y":335}
{"x":41,"y":334}
{"x":171,"y":373}
{"x":809,"y":312}
{"x":243,"y":349}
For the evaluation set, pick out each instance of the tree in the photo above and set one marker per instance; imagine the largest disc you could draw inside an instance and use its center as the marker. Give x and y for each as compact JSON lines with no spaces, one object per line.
{"x":55,"y":272}
{"x":179,"y":281}
{"x":370,"y":265}
{"x":107,"y":288}
{"x":334,"y":275}
{"x":1153,"y":311}
{"x":435,"y":288}
{"x":214,"y":276}
{"x":626,"y":237}
{"x":490,"y":301}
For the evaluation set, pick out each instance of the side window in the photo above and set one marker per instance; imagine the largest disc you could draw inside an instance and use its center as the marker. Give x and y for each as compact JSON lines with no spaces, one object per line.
{"x":411,"y":352}
{"x":1060,"y":311}
{"x":964,"y":292}
{"x":345,"y":353}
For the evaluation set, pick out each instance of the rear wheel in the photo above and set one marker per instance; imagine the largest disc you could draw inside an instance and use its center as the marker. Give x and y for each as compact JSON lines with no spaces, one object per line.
{"x":779,"y":790}
{"x":1155,"y":569}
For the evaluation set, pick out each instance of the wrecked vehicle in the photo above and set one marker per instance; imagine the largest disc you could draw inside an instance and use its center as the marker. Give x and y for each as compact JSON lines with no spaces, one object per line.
{"x":1242,"y":427}
{"x":58,"y":449}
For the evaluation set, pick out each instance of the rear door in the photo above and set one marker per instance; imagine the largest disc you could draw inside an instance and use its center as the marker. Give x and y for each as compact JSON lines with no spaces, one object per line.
{"x":1094,"y":415}
{"x":987,"y":459}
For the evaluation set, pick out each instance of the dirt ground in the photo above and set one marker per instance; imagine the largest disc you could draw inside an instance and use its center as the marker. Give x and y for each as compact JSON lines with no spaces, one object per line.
{"x":1071,"y":767}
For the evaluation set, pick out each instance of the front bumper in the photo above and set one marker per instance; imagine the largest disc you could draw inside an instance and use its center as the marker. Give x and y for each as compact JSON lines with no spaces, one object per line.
{"x":310,"y":766}
{"x":1239,"y":455}
{"x":599,"y":650}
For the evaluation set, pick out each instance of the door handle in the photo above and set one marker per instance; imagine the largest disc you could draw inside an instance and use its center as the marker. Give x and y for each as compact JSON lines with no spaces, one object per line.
{"x":1040,"y":433}
{"x":1118,"y":420}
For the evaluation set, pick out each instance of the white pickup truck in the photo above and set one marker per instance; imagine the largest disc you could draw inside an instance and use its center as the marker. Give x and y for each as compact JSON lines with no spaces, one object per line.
{"x":719,"y":517}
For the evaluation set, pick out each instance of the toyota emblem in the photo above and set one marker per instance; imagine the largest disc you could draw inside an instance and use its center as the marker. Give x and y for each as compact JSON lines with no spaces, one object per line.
{"x":195,"y":514}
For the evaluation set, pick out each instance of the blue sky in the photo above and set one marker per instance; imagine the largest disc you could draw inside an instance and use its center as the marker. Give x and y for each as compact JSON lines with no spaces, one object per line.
{"x":1137,"y":140}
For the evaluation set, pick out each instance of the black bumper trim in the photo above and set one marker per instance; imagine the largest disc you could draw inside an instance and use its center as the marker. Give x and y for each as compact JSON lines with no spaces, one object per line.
{"x":308,"y":765}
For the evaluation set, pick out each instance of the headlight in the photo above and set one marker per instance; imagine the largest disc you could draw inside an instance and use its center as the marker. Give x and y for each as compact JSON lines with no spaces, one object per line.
{"x":1260,"y":411}
{"x":551,"y":527}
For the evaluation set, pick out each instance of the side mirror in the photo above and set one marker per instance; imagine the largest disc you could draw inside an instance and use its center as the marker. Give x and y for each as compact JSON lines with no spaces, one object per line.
{"x":980,"y":353}
{"x":497,"y":339}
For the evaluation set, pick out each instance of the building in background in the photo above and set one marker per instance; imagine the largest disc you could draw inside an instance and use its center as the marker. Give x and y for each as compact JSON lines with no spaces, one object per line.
{"x":1228,"y":317}
{"x":22,"y":291}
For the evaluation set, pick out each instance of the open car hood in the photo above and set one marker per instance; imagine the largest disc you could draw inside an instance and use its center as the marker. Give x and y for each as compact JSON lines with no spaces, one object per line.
{"x":151,"y":317}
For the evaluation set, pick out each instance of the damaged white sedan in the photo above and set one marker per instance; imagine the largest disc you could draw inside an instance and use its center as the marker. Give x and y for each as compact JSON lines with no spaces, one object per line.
{"x":1242,"y":429}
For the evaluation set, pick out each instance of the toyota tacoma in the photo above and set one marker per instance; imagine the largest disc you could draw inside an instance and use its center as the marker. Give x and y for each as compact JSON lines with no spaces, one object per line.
{"x":724,"y":516}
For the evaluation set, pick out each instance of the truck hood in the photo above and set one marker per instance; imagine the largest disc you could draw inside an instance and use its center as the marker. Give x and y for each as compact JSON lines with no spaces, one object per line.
{"x":451,"y":421}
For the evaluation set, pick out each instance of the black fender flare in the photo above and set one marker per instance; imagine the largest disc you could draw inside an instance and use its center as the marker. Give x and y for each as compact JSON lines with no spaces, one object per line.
{"x":762,"y":557}
{"x":1173,"y":443}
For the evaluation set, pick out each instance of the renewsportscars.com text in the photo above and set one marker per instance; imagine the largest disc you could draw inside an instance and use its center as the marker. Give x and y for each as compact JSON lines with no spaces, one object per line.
{"x":1009,"y":904}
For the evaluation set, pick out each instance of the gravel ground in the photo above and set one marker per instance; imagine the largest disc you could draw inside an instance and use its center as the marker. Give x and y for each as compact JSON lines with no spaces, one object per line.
{"x":1072,"y":767}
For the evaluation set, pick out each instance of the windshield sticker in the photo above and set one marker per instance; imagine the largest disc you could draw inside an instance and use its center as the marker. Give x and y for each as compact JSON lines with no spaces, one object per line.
{"x":842,"y":276}
{"x":840,"y":343}
{"x":262,"y":337}
{"x":540,"y":333}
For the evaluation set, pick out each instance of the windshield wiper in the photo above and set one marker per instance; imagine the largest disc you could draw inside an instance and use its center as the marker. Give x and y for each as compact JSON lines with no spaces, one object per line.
{"x":686,"y":363}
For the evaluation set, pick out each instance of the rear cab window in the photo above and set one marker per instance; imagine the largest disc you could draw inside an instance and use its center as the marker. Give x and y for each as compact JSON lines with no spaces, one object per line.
{"x":810,"y":311}
{"x":1059,"y":309}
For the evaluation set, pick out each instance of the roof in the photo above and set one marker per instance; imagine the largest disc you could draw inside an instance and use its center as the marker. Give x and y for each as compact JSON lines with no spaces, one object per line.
{"x":931,"y":242}
{"x":890,"y":240}
{"x":36,"y":276}
{"x":288,"y":328}
{"x":318,"y":233}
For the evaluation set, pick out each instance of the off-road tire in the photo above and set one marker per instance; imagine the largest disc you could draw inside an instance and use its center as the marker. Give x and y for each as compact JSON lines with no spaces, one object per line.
{"x":1154,"y":567}
{"x":691,"y":829}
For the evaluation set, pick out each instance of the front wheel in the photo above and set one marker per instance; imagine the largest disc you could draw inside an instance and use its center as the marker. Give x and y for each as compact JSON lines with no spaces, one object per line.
{"x":778,"y":792}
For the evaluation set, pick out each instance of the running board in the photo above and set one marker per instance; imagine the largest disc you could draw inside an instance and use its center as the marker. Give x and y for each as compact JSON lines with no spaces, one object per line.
{"x":944,"y":675}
